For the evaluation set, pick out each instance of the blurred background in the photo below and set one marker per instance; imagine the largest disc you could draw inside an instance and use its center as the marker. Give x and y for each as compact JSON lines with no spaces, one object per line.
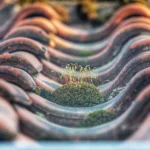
{"x":74,"y":12}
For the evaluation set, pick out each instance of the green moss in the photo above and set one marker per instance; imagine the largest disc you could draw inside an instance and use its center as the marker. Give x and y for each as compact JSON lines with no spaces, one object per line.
{"x":37,"y":90}
{"x":40,"y":115}
{"x":86,"y":53}
{"x":43,"y":93}
{"x":97,"y":117}
{"x":78,"y":95}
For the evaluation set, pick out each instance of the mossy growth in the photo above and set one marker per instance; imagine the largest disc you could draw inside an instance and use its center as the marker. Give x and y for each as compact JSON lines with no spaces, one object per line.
{"x":97,"y":118}
{"x":44,"y":93}
{"x":78,"y":95}
{"x":40,"y":115}
{"x":74,"y":73}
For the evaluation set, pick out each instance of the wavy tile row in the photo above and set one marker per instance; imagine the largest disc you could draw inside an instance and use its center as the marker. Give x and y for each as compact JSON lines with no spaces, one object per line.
{"x":36,"y":45}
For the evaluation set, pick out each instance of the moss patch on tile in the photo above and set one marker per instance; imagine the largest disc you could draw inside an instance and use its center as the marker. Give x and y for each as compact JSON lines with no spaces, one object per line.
{"x":97,"y":118}
{"x":78,"y":95}
{"x":44,"y":93}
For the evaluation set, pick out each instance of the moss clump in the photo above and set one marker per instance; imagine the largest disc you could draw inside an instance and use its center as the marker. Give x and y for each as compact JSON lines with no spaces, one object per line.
{"x":43,"y":93}
{"x":78,"y":95}
{"x":40,"y":115}
{"x":97,"y":117}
